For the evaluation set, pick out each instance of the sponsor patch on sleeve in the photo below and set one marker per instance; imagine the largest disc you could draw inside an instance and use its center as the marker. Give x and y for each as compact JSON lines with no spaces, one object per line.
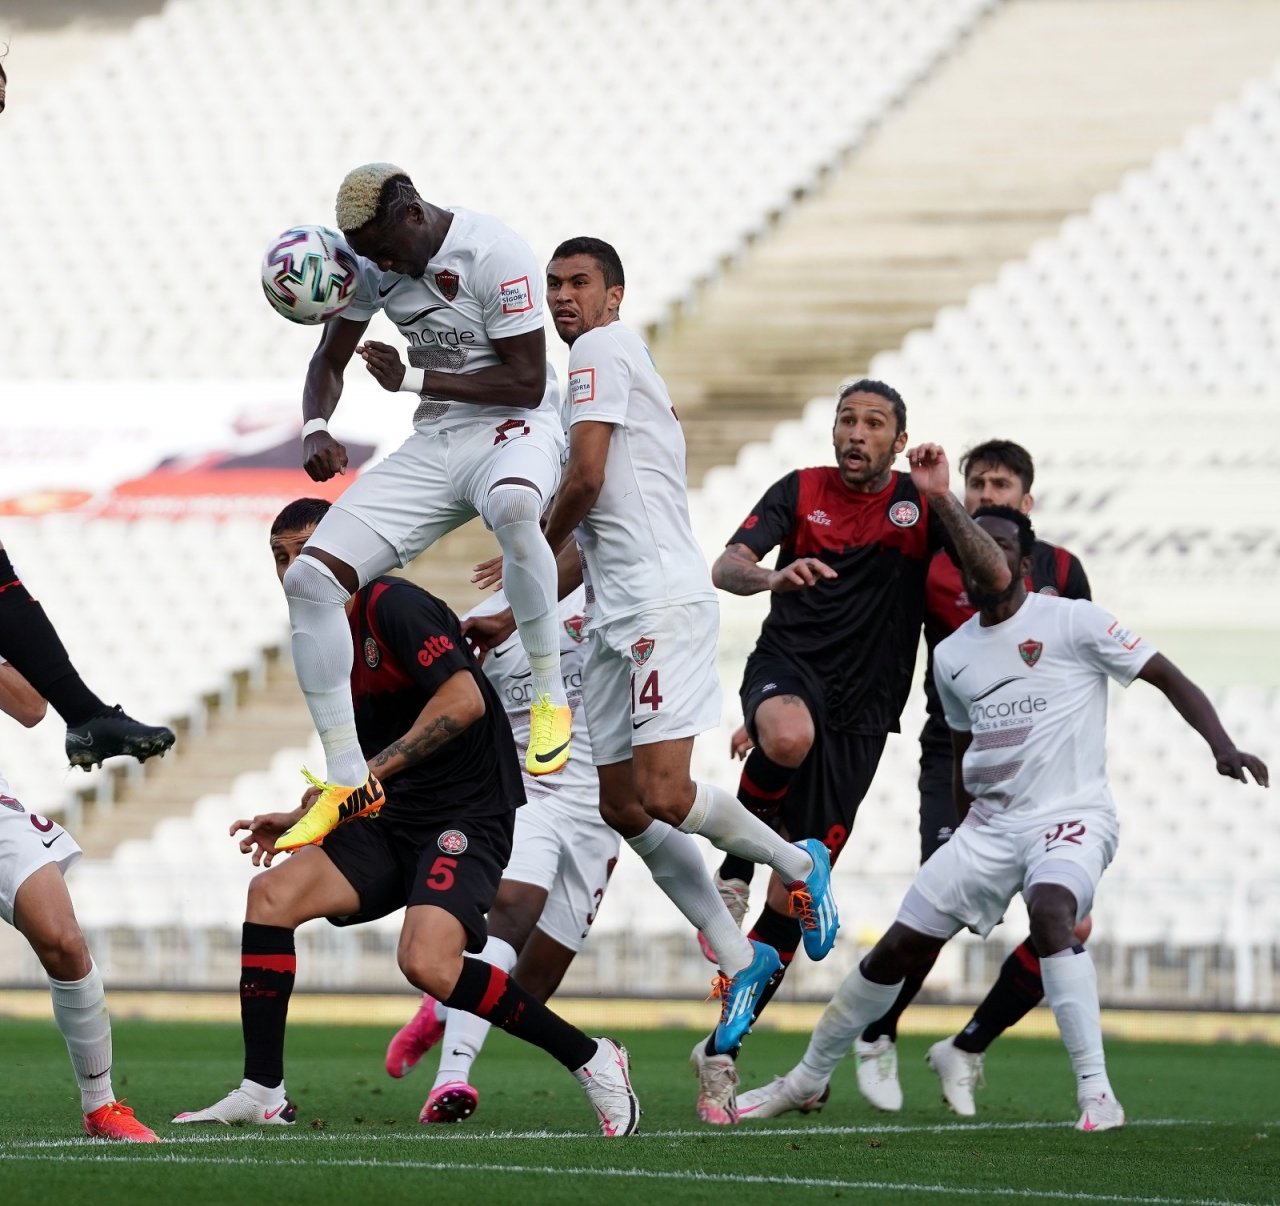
{"x":582,"y":385}
{"x":516,"y":296}
{"x":1124,"y":636}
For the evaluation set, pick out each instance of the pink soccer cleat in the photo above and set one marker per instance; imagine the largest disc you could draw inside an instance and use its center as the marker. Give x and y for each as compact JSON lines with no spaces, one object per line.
{"x":452,"y":1102}
{"x":415,"y":1038}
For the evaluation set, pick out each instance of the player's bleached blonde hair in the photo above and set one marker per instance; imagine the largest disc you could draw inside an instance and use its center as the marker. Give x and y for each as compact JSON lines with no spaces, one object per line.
{"x":360,"y":192}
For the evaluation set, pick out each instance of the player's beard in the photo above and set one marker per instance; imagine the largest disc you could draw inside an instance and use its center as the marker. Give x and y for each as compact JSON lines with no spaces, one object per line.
{"x":982,"y":601}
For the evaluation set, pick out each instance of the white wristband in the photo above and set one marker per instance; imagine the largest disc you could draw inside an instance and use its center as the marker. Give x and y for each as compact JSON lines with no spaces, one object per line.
{"x":414,"y":380}
{"x":313,"y":425}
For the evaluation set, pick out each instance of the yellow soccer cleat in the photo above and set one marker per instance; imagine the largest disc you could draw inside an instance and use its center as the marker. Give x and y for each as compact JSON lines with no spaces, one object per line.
{"x":549,"y":730}
{"x":336,"y":805}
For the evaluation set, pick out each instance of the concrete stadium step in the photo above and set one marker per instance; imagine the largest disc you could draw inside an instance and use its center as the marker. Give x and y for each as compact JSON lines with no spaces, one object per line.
{"x":1048,"y":103}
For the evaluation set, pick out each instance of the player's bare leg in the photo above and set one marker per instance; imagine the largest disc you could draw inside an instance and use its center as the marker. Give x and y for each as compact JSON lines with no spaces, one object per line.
{"x":44,"y":915}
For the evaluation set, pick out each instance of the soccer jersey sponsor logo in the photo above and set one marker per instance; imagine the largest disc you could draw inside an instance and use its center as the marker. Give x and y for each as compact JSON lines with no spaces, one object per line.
{"x":821,"y":518}
{"x":904,"y":514}
{"x":516,"y":296}
{"x":447,"y":283}
{"x":372,"y":656}
{"x":1124,"y":636}
{"x":750,"y":522}
{"x":641,"y":650}
{"x":452,"y":841}
{"x":432,"y":648}
{"x":575,"y":626}
{"x":582,"y":386}
{"x":1031,"y":651}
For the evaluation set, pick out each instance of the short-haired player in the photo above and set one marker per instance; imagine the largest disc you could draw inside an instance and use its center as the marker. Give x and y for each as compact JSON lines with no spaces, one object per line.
{"x":1024,"y":687}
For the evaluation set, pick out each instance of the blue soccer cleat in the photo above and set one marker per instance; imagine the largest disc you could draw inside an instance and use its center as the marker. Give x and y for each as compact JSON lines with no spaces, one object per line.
{"x":813,"y":905}
{"x":738,"y":996}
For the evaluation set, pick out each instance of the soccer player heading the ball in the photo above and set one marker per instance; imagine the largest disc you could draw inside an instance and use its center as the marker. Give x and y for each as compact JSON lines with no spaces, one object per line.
{"x":1024,"y":689}
{"x":466,"y":294}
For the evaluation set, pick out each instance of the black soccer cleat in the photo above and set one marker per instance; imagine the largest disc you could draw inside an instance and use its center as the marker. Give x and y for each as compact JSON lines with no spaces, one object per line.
{"x":112,"y":733}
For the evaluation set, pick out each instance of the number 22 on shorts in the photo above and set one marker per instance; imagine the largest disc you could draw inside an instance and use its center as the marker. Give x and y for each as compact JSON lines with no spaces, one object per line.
{"x":1064,"y":832}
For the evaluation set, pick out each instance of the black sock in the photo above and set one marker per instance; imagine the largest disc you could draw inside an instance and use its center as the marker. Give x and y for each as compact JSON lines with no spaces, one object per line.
{"x":267,"y":967}
{"x":489,"y":993}
{"x":1017,"y":991}
{"x":30,"y":642}
{"x":888,"y":1023}
{"x":763,"y":784}
{"x":734,"y":867}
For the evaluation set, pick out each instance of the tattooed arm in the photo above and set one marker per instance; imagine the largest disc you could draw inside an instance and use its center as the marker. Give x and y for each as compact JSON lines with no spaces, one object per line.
{"x":738,"y":571}
{"x":979,"y":557}
{"x":457,"y":705}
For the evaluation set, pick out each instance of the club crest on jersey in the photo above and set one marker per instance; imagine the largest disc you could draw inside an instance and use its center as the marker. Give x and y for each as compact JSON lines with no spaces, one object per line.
{"x":574,"y":627}
{"x":904,"y":514}
{"x":372,"y":656}
{"x":1031,"y":651}
{"x":10,"y":802}
{"x":641,"y":649}
{"x":447,"y":283}
{"x":452,"y":841}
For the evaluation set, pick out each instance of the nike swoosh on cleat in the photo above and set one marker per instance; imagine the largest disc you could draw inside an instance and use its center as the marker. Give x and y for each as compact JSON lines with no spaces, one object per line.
{"x":268,"y":1115}
{"x":548,"y":756}
{"x":76,"y":739}
{"x":1088,"y":1124}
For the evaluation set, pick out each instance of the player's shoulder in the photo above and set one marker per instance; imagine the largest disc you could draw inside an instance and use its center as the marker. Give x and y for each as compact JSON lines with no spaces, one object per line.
{"x":391,"y":596}
{"x":485,"y":233}
{"x":612,"y":339}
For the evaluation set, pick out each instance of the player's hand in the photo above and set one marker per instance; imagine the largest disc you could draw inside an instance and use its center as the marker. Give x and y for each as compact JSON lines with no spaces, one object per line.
{"x":488,"y":573}
{"x":487,"y":632}
{"x":383,"y":362}
{"x":1233,"y":763}
{"x":929,"y":469}
{"x":323,"y":456}
{"x":263,"y":830}
{"x":740,"y":744}
{"x":800,"y":574}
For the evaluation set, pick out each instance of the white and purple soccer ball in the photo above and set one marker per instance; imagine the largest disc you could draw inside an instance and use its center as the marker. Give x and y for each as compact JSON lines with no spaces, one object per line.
{"x":309,"y":274}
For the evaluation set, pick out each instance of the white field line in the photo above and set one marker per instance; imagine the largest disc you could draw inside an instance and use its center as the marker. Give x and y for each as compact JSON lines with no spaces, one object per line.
{"x":116,"y":1155}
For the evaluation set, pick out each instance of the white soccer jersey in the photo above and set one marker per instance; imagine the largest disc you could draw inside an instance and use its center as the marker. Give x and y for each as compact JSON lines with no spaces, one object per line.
{"x":507,"y":668}
{"x":483,"y":284}
{"x":1033,"y":692}
{"x":638,"y":538}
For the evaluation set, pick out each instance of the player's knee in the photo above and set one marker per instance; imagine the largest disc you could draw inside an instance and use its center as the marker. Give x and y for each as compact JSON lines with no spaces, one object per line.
{"x":62,"y":951}
{"x":270,"y":902}
{"x":1053,"y":920}
{"x":787,"y":744}
{"x":311,"y":580}
{"x":430,"y":971}
{"x":513,"y":506}
{"x":624,"y":816}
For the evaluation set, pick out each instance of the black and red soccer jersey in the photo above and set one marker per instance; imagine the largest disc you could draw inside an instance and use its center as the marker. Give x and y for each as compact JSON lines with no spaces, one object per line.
{"x":407,"y":645}
{"x":859,"y":633}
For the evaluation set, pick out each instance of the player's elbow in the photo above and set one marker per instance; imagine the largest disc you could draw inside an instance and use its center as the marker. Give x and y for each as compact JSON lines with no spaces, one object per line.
{"x":29,"y":711}
{"x":465,"y":704}
{"x":529,"y":385}
{"x":718,"y":568}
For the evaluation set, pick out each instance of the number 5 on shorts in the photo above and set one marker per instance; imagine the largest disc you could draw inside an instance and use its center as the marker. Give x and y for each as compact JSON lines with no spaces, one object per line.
{"x":441,"y":877}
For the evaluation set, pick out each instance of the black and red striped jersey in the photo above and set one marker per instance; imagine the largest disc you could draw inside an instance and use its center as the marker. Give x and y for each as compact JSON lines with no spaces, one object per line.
{"x":859,"y":633}
{"x":407,"y":645}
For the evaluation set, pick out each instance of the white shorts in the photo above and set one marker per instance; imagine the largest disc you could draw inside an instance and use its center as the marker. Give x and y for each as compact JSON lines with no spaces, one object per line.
{"x":569,"y":852}
{"x":651,"y":677}
{"x":27,"y":843}
{"x":971,"y":879}
{"x":434,"y":482}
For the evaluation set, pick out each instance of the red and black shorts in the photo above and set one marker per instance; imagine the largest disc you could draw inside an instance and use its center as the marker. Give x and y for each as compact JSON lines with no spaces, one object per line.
{"x":823,"y":798}
{"x":455,"y":864}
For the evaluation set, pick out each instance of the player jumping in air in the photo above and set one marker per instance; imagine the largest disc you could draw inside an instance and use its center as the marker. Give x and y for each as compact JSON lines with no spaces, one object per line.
{"x":833,"y":666}
{"x":466,"y":294}
{"x":650,"y":683}
{"x":1024,"y":688}
{"x":433,"y":728}
{"x":35,"y":853}
{"x":561,"y":856}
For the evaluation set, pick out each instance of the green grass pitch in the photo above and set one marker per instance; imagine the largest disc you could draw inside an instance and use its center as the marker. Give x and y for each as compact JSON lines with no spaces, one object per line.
{"x":1205,"y":1128}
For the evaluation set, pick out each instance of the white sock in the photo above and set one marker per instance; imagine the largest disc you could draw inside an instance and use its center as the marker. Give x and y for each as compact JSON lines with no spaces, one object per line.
{"x":726,"y":823}
{"x":464,"y":1033}
{"x":80,"y":1012}
{"x":322,"y":659}
{"x":1071,"y":988}
{"x":529,"y":578}
{"x":261,"y":1094}
{"x":677,"y":868}
{"x":857,"y":1003}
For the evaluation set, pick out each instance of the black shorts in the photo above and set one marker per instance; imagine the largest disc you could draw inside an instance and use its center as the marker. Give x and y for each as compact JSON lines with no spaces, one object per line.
{"x":938,"y":817}
{"x":833,"y":780}
{"x":455,"y":865}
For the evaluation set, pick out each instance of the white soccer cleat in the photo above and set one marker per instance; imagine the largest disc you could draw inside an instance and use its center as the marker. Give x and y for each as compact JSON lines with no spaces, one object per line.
{"x":606,"y":1080}
{"x":960,"y":1073}
{"x":736,"y":893}
{"x":243,"y":1107}
{"x":877,"y":1068}
{"x":717,"y":1086}
{"x":1100,"y":1112}
{"x":780,"y":1096}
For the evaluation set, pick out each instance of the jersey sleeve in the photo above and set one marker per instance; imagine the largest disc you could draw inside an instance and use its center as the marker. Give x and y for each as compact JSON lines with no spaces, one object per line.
{"x":1105,"y":644}
{"x":1076,"y":585}
{"x":367,"y":302}
{"x":772,"y":518}
{"x":954,"y":707}
{"x":423,"y":636}
{"x":511,"y":288}
{"x":599,"y":379}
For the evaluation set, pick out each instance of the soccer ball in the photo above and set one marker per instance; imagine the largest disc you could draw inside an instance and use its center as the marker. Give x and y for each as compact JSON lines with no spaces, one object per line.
{"x":309,"y":274}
